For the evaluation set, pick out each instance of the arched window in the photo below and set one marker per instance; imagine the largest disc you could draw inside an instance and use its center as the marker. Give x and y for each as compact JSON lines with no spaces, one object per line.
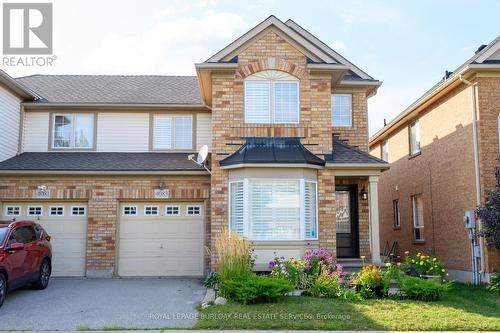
{"x":272,"y":97}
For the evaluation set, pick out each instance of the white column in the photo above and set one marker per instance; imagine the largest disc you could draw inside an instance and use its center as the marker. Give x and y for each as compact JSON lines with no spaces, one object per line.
{"x":374,"y":227}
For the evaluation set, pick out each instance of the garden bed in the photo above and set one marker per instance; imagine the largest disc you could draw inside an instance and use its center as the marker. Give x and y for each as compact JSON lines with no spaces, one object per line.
{"x":463,"y":307}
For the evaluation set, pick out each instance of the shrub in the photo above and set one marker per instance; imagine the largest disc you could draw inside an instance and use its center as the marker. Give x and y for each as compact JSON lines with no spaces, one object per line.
{"x":233,"y":255}
{"x":325,"y":286}
{"x":371,"y":277}
{"x":292,"y":270}
{"x":494,"y":283}
{"x":489,"y":215}
{"x":423,"y":290}
{"x":252,"y":289}
{"x":212,"y":280}
{"x":424,"y":265}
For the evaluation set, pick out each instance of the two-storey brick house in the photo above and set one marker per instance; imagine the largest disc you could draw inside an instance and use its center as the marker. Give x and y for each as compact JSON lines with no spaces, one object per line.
{"x":443,"y":150}
{"x":102,"y":161}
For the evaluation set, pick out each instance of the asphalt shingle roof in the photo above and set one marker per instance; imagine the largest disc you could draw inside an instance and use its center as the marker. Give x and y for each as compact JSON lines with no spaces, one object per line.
{"x":344,"y":153}
{"x":100,"y":161}
{"x":272,"y":150}
{"x":114,"y":89}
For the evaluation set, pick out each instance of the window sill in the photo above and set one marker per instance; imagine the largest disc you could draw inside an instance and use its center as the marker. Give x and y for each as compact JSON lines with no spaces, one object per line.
{"x":285,"y":243}
{"x":396,"y":228}
{"x":415,"y":155}
{"x":418,"y":242}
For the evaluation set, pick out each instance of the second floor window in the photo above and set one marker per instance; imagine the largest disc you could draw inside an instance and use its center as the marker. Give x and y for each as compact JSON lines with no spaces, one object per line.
{"x":173,"y":132}
{"x":73,"y":131}
{"x":271,"y":98}
{"x":396,"y":213}
{"x":415,"y":138}
{"x":342,"y":110}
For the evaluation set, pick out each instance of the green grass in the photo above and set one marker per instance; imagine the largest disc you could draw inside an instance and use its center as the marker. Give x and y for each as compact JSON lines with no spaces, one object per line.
{"x":465,"y":307}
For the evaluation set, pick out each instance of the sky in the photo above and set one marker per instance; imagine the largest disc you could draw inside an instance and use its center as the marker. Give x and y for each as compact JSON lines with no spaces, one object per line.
{"x":406,"y":44}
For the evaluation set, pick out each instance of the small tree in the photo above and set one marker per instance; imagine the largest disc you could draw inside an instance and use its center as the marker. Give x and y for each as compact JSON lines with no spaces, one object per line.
{"x":490,"y":215}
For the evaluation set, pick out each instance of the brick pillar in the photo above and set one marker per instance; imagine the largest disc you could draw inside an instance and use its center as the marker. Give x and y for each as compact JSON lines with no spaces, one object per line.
{"x":326,"y":210}
{"x":101,"y":232}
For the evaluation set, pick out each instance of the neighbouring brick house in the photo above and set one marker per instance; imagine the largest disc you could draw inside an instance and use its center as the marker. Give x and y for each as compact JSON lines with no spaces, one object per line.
{"x":443,"y":152}
{"x":102,"y":161}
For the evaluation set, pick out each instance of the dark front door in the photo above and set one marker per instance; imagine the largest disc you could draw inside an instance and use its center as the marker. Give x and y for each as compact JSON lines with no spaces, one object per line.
{"x":347,"y":221}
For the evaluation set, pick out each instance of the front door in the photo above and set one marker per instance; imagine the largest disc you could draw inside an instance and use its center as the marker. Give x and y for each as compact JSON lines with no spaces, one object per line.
{"x":347,"y":221}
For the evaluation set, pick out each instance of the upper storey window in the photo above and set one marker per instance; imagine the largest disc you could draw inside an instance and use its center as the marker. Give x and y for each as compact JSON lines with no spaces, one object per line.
{"x":173,"y":132}
{"x":73,"y":131}
{"x":342,"y":110}
{"x":414,"y":138}
{"x":272,"y":97}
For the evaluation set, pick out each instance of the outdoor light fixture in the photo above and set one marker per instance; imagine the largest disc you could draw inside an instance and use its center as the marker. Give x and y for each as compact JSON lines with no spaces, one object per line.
{"x":364,"y":194}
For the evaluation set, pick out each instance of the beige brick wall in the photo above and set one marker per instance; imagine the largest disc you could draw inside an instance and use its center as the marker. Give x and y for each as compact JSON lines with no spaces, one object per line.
{"x":229,"y":129}
{"x":103,"y":195}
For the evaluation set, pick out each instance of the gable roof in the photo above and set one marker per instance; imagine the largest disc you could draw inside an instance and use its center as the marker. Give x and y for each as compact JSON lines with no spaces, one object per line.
{"x":485,"y":58}
{"x":114,"y":89}
{"x":15,"y":86}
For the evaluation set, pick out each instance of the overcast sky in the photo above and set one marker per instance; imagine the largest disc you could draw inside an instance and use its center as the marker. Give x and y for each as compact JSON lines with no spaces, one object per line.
{"x":406,"y":44}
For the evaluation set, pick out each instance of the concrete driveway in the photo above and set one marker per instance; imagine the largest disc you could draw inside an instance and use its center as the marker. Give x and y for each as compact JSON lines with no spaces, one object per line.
{"x":71,"y":304}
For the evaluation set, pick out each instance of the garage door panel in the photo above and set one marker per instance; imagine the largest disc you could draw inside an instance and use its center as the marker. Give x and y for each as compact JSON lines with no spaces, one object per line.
{"x":68,"y":236}
{"x":161,"y":245}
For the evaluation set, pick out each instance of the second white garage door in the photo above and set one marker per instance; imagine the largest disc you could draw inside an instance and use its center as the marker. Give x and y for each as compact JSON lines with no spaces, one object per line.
{"x":161,"y":239}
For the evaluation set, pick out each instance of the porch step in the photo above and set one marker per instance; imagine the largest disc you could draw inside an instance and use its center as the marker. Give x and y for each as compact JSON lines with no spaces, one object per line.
{"x":354,"y":265}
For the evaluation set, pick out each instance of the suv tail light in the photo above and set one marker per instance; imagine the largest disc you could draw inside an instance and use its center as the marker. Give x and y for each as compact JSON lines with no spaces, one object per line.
{"x":48,"y":238}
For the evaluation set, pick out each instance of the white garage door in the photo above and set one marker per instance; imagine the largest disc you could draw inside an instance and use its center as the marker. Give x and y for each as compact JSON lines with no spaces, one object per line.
{"x":161,"y":239}
{"x":66,"y":223}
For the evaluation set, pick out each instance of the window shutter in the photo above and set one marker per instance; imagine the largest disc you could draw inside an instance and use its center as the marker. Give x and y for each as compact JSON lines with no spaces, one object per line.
{"x":286,"y":102}
{"x":310,"y":210}
{"x":257,"y":101}
{"x":237,"y":222}
{"x":162,"y":132}
{"x":183,"y":132}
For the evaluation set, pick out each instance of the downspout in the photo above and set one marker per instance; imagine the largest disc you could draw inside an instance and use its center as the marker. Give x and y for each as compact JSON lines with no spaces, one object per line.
{"x":476,"y":161}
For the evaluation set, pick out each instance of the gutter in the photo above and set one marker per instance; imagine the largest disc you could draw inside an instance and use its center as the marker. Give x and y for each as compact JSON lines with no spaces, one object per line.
{"x":477,"y":173}
{"x":97,"y":173}
{"x":121,"y":106}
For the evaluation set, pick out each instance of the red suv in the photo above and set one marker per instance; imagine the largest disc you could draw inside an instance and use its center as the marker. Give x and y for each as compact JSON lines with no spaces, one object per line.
{"x":25,"y":256}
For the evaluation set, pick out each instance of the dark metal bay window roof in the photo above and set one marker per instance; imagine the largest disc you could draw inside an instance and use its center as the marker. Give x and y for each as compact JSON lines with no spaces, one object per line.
{"x":272,"y":151}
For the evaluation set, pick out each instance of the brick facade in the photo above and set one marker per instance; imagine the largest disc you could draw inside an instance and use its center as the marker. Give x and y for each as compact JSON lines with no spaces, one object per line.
{"x":443,"y":174}
{"x":103,"y":195}
{"x":272,"y":52}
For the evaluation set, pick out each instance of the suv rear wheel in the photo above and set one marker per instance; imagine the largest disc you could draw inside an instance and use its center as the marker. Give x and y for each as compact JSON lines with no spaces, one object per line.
{"x":3,"y":288}
{"x":43,"y":276}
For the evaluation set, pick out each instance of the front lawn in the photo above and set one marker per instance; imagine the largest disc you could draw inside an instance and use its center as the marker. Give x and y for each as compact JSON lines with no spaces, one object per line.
{"x":464,"y":307}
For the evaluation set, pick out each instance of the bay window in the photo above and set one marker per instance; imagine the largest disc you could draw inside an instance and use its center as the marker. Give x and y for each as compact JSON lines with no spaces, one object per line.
{"x":271,"y":97}
{"x":172,"y":132}
{"x":273,"y":210}
{"x":74,"y":131}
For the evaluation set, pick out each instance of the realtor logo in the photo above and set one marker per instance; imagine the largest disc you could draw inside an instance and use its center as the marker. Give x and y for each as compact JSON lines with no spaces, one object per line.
{"x":27,"y":28}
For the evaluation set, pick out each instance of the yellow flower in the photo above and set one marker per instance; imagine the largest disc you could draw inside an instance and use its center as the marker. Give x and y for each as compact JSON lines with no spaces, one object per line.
{"x":447,"y":274}
{"x":431,"y":268}
{"x":413,"y":261}
{"x":443,"y":270}
{"x":418,"y":254}
{"x":421,"y":263}
{"x":435,"y":259}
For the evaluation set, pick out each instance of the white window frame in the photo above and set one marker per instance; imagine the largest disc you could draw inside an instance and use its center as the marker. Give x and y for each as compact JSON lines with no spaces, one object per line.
{"x":78,"y":207}
{"x":152,"y":206}
{"x":194,"y":207}
{"x":415,"y":218}
{"x":72,"y":142}
{"x":173,"y":134}
{"x":12,"y":206}
{"x":172,"y":206}
{"x":350,"y":111}
{"x":136,"y":211}
{"x":57,"y":207}
{"x":246,"y":208}
{"x":418,"y":149}
{"x":28,"y":213}
{"x":271,"y":105}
